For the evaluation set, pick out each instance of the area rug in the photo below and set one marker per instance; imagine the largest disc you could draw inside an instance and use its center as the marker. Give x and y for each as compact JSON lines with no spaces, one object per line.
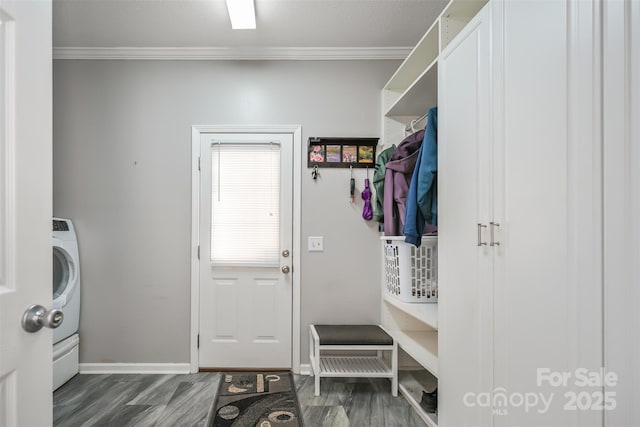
{"x":256,"y":399}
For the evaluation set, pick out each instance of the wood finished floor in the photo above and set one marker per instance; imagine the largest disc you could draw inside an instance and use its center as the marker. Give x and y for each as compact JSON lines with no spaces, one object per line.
{"x":184,"y":400}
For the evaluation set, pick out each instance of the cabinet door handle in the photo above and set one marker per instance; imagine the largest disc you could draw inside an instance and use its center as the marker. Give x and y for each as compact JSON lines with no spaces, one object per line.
{"x":493,"y":227}
{"x":480,"y":227}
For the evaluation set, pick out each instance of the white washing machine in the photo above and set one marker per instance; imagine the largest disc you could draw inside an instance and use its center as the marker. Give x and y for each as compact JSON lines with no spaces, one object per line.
{"x":66,"y":297}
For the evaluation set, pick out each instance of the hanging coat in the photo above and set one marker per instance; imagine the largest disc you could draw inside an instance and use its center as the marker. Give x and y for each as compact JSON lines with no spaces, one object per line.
{"x":397,"y":180}
{"x":422,"y":200}
{"x":378,"y":182}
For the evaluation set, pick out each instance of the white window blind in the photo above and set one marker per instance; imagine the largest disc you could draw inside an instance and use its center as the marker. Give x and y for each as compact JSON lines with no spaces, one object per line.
{"x":245,"y":204}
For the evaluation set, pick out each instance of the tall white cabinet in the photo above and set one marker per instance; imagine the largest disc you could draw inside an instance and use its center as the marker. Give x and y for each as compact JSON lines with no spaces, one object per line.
{"x":621,"y":170}
{"x":409,"y":94}
{"x":465,"y":203}
{"x":520,"y":213}
{"x":520,"y":231}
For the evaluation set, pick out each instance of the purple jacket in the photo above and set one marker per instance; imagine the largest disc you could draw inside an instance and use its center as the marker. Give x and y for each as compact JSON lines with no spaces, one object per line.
{"x":397,"y":180}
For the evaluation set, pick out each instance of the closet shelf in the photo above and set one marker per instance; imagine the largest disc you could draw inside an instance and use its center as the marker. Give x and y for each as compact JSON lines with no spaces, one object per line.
{"x":455,"y":17}
{"x":410,"y":388}
{"x":417,"y":61}
{"x":422,"y":346}
{"x":420,"y":96}
{"x":425,"y":313}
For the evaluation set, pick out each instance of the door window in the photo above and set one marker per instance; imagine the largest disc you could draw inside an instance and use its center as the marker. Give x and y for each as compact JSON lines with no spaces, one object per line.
{"x":245,"y":204}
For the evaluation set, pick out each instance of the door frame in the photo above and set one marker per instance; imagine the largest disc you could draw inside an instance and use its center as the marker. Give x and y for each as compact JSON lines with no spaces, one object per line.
{"x":196,"y":133}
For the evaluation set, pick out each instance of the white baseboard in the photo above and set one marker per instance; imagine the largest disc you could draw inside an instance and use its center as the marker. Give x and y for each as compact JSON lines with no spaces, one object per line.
{"x":134,"y":368}
{"x":305,"y":369}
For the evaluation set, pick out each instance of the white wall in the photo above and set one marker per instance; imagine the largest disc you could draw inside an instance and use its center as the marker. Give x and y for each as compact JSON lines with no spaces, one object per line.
{"x":122,"y":173}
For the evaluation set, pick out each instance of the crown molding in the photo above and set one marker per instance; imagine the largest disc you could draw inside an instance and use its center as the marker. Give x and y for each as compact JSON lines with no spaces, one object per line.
{"x":232,"y":53}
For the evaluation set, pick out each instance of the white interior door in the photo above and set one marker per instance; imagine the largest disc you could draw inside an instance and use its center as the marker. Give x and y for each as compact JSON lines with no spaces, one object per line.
{"x":245,"y":250}
{"x":25,"y":210}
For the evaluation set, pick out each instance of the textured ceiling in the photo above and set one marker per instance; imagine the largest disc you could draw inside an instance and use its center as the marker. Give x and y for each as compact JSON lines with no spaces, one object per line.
{"x":281,"y":23}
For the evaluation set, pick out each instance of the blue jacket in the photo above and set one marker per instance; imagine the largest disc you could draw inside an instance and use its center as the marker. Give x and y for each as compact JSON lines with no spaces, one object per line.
{"x":422,"y":200}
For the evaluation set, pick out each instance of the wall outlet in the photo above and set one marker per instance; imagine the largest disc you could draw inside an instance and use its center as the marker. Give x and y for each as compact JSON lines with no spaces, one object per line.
{"x":316,"y":244}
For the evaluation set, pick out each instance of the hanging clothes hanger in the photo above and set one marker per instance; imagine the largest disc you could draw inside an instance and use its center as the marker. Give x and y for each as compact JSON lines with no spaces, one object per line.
{"x":411,"y":126}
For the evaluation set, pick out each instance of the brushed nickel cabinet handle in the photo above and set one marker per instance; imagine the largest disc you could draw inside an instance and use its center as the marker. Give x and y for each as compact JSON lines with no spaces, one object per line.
{"x":480,"y":227}
{"x":493,"y":227}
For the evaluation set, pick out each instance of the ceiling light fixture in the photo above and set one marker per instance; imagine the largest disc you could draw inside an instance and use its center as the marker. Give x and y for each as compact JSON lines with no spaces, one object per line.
{"x":242,"y":14}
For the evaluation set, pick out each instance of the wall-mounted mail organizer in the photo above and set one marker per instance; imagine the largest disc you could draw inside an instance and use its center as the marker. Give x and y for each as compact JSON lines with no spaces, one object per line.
{"x":337,"y":152}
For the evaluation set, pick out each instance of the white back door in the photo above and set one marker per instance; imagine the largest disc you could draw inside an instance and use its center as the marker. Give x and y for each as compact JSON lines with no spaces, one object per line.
{"x":25,"y":210}
{"x":246,"y":196}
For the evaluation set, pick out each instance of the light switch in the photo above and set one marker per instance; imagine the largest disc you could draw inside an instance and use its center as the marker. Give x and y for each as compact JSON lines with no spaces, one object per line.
{"x":316,"y":244}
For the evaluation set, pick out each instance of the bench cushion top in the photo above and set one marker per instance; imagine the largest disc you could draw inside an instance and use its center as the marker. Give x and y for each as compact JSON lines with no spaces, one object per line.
{"x":352,"y":335}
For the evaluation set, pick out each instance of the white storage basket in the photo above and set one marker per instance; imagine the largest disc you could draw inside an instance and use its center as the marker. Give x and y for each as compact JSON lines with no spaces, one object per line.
{"x":411,"y":274}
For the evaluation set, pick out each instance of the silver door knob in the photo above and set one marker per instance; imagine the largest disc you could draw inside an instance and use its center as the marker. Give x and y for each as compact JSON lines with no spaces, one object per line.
{"x":286,"y":269}
{"x":36,"y":316}
{"x":285,"y":253}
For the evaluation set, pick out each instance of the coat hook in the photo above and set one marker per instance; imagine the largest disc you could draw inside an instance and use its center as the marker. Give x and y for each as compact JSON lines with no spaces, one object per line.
{"x":352,"y":186}
{"x":314,"y":172}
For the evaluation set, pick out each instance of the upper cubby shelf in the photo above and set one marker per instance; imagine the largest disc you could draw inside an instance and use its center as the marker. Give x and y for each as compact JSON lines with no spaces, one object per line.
{"x":413,"y":88}
{"x":455,"y":17}
{"x":422,"y":55}
{"x":420,"y":96}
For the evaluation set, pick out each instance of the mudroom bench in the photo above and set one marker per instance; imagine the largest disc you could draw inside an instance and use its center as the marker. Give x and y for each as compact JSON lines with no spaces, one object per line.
{"x":327,"y":342}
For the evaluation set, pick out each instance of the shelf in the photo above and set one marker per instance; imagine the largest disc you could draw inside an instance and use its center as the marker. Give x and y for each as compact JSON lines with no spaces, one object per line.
{"x":426,"y":313}
{"x":422,"y":346}
{"x":455,"y":17}
{"x":416,"y":380}
{"x":425,"y":52}
{"x":430,"y":419}
{"x":420,"y":96}
{"x":354,"y":366}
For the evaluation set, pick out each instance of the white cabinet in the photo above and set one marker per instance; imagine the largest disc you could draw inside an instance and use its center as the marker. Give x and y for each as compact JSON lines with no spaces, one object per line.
{"x":520,"y":185}
{"x":621,"y":134}
{"x":517,"y":217}
{"x":409,"y":94}
{"x":464,"y":184}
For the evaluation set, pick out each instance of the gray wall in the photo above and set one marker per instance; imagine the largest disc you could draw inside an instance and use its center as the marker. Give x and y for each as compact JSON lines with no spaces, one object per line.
{"x":122,"y":153}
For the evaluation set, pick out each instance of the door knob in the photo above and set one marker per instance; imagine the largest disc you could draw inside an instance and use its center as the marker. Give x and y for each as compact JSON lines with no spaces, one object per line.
{"x":285,"y":253}
{"x":36,"y":316}
{"x":286,"y":269}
